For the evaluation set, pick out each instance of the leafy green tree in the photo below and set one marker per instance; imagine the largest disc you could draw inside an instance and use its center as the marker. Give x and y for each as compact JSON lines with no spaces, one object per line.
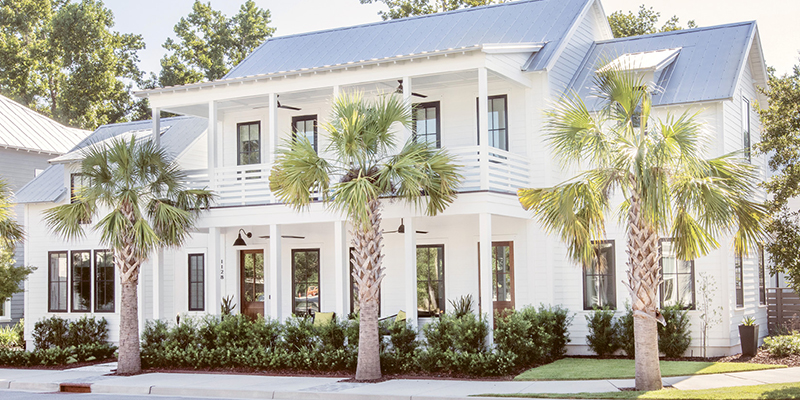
{"x":140,"y":187}
{"x":209,"y":43}
{"x":780,"y":141}
{"x":11,"y":276}
{"x":642,"y":23}
{"x":63,"y":59}
{"x":364,"y":169}
{"x":410,"y":8}
{"x":669,"y":190}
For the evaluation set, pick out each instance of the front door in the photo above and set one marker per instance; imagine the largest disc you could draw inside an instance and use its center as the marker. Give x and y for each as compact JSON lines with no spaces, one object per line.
{"x":252,"y":273}
{"x":502,"y":276}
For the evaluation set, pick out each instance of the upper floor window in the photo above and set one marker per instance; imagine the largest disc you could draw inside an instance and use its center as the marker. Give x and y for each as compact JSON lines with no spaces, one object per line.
{"x":305,"y":281}
{"x":306,"y":127}
{"x":677,"y":287}
{"x":498,"y":122}
{"x":738,"y":272}
{"x":430,"y":280}
{"x":599,"y":283}
{"x":746,"y":127}
{"x":77,"y":183}
{"x":426,"y":124}
{"x":248,"y":137}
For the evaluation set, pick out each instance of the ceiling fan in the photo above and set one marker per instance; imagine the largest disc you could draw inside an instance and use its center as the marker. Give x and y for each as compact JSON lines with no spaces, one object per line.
{"x":285,"y":237}
{"x":402,"y":229}
{"x":400,"y":90}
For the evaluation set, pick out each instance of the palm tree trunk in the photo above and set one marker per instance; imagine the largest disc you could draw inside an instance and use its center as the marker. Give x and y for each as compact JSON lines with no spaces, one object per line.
{"x":643,"y":281}
{"x":128,"y":263}
{"x":368,"y":274}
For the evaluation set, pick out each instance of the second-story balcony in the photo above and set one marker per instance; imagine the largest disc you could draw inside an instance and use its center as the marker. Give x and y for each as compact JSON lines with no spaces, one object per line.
{"x":495,"y":170}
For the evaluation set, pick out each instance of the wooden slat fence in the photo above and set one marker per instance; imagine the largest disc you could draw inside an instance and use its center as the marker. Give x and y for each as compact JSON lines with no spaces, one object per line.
{"x":783,"y":309}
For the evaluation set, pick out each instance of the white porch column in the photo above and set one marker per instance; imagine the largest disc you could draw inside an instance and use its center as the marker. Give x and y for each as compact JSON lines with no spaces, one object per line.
{"x":156,"y":261}
{"x":267,"y":283}
{"x":341,"y":268}
{"x":275,"y":296}
{"x":212,"y":143}
{"x":273,"y":127}
{"x":156,"y":137}
{"x":483,"y":126}
{"x":212,"y":272}
{"x":485,"y":302}
{"x":410,"y":237}
{"x":407,"y":99}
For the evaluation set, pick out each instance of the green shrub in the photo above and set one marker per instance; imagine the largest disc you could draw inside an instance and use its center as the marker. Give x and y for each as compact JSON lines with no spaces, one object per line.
{"x":438,"y":334}
{"x":299,"y":333}
{"x":399,"y":357}
{"x":674,"y":338}
{"x":602,"y":338}
{"x":624,"y":326}
{"x":12,"y":337}
{"x":50,"y":332}
{"x":782,"y":346}
{"x":87,"y":330}
{"x":533,"y":335}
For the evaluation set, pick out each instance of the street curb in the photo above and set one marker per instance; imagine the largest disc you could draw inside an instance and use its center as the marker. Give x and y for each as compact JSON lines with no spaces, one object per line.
{"x":120,"y":389}
{"x":213,"y":393}
{"x":35,"y":386}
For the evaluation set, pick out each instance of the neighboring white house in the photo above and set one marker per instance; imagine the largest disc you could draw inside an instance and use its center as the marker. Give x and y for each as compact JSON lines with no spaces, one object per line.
{"x":27,"y":140}
{"x":506,"y":62}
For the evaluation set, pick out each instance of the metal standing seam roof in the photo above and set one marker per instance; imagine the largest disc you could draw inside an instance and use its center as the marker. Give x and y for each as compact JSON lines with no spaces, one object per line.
{"x":24,"y":129}
{"x":706,"y":68}
{"x":178,"y":133}
{"x":524,"y":21}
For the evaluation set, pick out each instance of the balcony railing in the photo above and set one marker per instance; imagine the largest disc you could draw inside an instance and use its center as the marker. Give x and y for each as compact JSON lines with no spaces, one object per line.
{"x":243,"y":185}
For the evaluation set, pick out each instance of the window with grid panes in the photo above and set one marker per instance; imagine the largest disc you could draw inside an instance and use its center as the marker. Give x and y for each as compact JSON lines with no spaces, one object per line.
{"x":305,"y":281}
{"x":104,"y":281}
{"x":498,"y":122}
{"x":599,"y":285}
{"x":248,"y":137}
{"x":81,"y":271}
{"x":57,"y":281}
{"x":678,"y":277}
{"x":430,"y":280}
{"x":197,"y":279}
{"x":426,"y":124}
{"x":306,"y":127}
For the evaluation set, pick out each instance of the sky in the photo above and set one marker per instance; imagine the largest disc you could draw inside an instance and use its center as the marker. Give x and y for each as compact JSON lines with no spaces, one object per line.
{"x":154,"y":19}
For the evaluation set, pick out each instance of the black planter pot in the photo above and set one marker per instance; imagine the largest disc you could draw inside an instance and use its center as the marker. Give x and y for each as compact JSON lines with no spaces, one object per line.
{"x":748,"y":336}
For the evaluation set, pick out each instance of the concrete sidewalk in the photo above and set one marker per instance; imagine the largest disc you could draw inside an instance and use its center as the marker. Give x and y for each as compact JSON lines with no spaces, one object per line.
{"x":279,"y":387}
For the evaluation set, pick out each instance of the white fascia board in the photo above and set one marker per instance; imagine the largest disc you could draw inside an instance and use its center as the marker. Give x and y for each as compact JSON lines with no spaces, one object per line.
{"x":495,"y":48}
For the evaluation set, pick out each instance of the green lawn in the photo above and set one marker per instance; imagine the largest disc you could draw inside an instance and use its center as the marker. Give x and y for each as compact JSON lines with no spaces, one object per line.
{"x":772,"y":391}
{"x":592,"y":368}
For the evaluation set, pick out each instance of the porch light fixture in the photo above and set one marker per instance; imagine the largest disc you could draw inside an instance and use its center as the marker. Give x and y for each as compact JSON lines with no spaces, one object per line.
{"x":239,"y":240}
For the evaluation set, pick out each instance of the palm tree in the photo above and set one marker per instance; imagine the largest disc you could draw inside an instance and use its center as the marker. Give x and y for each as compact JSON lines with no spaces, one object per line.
{"x":669,"y":189}
{"x":363,"y":169}
{"x":140,"y":188}
{"x":10,"y":230}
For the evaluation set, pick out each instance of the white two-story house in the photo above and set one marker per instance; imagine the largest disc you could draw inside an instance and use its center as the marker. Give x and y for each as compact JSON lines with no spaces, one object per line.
{"x":478,"y":81}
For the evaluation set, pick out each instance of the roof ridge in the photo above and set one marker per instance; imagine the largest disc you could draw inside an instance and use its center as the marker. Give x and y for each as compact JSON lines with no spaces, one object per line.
{"x":677,"y":32}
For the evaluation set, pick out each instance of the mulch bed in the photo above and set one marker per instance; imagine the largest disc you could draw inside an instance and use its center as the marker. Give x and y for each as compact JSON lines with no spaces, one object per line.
{"x":763,"y":357}
{"x":60,"y":367}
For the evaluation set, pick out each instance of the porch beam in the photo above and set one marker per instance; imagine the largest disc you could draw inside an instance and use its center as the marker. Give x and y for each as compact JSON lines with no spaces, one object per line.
{"x":156,"y":261}
{"x":275,"y":304}
{"x":341,"y":270}
{"x":407,"y":132}
{"x":156,"y":135}
{"x":273,"y":127}
{"x":410,"y":251}
{"x":508,"y":72}
{"x":483,"y":125}
{"x":485,"y":302}
{"x":212,"y":142}
{"x":212,"y":299}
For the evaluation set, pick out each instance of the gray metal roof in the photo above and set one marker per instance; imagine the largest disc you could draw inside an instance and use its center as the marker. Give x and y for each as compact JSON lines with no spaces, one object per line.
{"x":24,"y":129}
{"x":525,"y":21}
{"x":177,"y":134}
{"x":707,"y":67}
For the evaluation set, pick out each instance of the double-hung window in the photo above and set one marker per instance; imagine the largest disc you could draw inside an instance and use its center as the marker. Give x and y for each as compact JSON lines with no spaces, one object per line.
{"x":498,"y":122}
{"x":104,"y":281}
{"x":305,"y":281}
{"x":57,"y":281}
{"x":197,"y":284}
{"x":677,"y":287}
{"x":306,"y":127}
{"x":81,"y":271}
{"x":248,"y":139}
{"x":746,"y":128}
{"x":738,"y":272}
{"x":426,"y":124}
{"x":599,"y":284}
{"x":430,"y":280}
{"x":762,"y":282}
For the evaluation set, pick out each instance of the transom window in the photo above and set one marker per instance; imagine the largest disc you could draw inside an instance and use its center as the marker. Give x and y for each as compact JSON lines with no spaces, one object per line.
{"x":430,"y":280}
{"x":57,"y":281}
{"x":498,"y":122}
{"x":305,"y":281}
{"x":248,"y":143}
{"x":599,"y":284}
{"x":197,"y":282}
{"x":678,"y":276}
{"x":306,"y":127}
{"x":426,"y":124}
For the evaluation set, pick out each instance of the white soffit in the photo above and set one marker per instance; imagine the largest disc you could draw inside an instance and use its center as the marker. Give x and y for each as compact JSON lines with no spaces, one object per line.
{"x":643,"y":61}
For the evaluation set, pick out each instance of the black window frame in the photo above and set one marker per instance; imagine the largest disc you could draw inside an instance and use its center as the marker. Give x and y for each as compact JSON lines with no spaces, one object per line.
{"x":59,"y":282}
{"x":107,"y":284}
{"x":430,"y":104}
{"x":440,"y":282}
{"x":738,"y":279}
{"x":505,"y":112}
{"x":610,"y":273}
{"x":693,"y":304}
{"x":239,"y":151}
{"x":193,"y":285}
{"x":295,"y":282}
{"x":304,"y":118}
{"x":762,"y":279}
{"x":85,"y":279}
{"x":746,"y":122}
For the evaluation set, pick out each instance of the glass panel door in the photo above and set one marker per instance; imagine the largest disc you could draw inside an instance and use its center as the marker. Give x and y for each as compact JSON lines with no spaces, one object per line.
{"x":252,"y":273}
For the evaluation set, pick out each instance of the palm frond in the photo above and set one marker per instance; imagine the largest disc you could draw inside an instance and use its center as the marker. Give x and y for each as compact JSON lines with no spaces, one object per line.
{"x":10,"y":230}
{"x":298,"y":171}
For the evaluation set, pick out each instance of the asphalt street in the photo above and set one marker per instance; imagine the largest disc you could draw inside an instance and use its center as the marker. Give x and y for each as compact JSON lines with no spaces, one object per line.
{"x":15,"y":395}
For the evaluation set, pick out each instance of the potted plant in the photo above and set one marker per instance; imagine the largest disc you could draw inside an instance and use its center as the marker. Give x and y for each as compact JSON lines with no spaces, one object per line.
{"x":748,"y":336}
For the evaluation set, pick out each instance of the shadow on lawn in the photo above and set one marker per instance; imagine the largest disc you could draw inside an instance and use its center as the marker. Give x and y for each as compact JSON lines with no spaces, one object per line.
{"x":784,"y":393}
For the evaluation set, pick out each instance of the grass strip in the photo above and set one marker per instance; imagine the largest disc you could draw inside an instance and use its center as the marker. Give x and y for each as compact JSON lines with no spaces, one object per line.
{"x":593,"y":368}
{"x":760,"y":392}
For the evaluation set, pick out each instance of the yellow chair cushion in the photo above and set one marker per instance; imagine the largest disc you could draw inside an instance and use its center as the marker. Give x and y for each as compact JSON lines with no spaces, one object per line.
{"x":401,"y":316}
{"x":323,"y":318}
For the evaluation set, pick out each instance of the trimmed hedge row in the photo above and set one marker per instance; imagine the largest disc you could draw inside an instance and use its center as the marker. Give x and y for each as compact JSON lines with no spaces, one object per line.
{"x":608,"y":334}
{"x":59,"y":342}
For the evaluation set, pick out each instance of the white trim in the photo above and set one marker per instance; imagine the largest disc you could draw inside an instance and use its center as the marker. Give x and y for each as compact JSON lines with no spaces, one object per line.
{"x":503,"y":48}
{"x":6,"y":305}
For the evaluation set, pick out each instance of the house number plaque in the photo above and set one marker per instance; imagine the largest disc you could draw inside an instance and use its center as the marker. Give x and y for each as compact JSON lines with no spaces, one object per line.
{"x":221,"y":269}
